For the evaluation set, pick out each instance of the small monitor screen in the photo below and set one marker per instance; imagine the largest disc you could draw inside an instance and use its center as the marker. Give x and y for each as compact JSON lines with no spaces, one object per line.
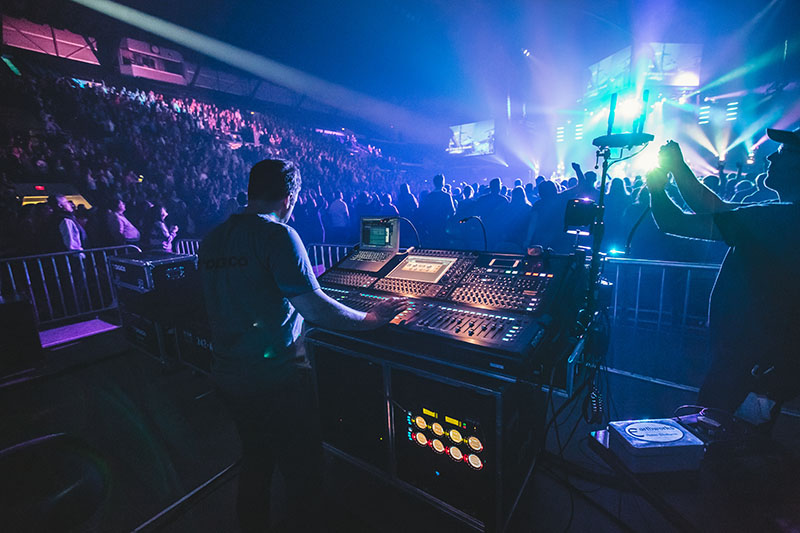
{"x":504,"y":263}
{"x":421,"y":268}
{"x":379,"y":233}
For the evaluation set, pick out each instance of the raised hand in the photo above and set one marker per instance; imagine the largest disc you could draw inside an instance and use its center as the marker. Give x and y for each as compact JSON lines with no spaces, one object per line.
{"x":670,"y":156}
{"x":576,"y":167}
{"x":656,"y":179}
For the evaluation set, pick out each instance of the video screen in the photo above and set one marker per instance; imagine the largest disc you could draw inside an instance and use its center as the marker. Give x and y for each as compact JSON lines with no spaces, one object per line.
{"x":676,"y":64}
{"x":475,"y":138}
{"x":421,"y":268}
{"x":610,"y":74}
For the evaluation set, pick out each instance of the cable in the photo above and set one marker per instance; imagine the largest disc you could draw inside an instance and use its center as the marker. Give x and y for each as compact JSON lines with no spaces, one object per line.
{"x":608,"y":514}
{"x":628,"y":157}
{"x":397,"y":217}
{"x":483,"y":228}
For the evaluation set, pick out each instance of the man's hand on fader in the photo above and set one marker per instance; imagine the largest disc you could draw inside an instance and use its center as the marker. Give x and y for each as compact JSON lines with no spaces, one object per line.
{"x":386,"y":310}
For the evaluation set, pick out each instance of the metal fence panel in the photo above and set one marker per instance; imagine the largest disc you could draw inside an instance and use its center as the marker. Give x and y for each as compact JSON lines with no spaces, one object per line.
{"x":186,"y":246}
{"x":63,"y":285}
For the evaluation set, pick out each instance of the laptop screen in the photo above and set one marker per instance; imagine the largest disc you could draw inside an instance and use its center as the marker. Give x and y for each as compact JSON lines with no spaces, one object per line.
{"x":379,"y":233}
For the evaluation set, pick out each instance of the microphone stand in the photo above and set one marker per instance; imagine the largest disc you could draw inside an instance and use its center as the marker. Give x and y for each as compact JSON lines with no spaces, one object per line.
{"x":397,"y":217}
{"x":483,"y":227}
{"x":604,"y":145}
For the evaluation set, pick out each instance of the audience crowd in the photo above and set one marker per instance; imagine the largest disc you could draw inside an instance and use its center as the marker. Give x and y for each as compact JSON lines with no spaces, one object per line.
{"x":158,"y":168}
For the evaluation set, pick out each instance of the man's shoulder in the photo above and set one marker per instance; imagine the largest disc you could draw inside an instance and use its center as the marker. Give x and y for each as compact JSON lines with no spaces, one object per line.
{"x":248,"y":223}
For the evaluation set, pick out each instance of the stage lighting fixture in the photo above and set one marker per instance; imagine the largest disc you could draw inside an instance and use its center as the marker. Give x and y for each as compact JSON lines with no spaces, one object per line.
{"x":630,"y":108}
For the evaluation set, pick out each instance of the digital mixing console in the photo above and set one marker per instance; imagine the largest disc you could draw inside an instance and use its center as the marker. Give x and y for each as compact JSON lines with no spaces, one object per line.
{"x":497,"y":302}
{"x":458,"y":370}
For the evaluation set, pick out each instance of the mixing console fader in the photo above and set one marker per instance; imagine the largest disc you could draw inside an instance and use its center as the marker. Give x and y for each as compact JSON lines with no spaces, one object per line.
{"x":503,"y":331}
{"x":347,"y":278}
{"x":493,"y":288}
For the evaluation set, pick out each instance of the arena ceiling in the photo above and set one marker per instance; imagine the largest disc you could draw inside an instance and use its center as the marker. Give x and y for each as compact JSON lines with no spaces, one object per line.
{"x":458,"y":60}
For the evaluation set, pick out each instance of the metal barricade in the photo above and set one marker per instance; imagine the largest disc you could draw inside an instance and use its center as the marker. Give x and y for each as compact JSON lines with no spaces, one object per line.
{"x":324,"y":256}
{"x":186,"y":246}
{"x":64,"y":285}
{"x":660,"y":294}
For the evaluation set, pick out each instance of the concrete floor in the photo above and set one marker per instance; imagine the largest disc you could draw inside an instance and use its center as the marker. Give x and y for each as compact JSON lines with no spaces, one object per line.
{"x":163,"y":432}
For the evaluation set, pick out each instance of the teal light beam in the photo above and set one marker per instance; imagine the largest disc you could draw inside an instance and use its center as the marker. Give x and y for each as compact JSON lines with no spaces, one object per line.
{"x":323,"y":91}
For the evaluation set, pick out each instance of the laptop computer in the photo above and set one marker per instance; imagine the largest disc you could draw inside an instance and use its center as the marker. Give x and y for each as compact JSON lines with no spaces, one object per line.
{"x":380,"y":241}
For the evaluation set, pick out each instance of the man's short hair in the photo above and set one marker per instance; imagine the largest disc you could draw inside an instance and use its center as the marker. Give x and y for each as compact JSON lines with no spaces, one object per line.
{"x":272,"y":180}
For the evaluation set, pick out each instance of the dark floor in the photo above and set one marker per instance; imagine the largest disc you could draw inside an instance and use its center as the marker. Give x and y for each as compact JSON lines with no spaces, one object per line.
{"x":163,"y":432}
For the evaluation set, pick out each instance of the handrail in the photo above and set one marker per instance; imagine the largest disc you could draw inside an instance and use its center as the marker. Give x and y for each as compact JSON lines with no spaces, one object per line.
{"x":70,"y":252}
{"x":660,"y":263}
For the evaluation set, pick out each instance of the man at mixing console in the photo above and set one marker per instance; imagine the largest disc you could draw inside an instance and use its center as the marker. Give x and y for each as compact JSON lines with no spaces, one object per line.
{"x":754,"y":312}
{"x":259,"y":285}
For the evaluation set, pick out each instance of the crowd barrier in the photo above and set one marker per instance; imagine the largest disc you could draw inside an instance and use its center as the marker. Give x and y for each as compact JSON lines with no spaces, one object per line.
{"x":650,"y":299}
{"x":322,"y":256}
{"x":646,"y":293}
{"x":63,"y":285}
{"x":660,"y":294}
{"x":186,"y":246}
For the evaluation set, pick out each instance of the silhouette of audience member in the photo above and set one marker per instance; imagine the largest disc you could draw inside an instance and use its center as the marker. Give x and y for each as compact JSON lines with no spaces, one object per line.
{"x":338,"y":219}
{"x":407,"y":204}
{"x":435,"y":211}
{"x":516,"y":219}
{"x":762,"y":193}
{"x":616,"y":202}
{"x":584,"y":188}
{"x":546,"y":224}
{"x":491,"y":207}
{"x":753,"y":310}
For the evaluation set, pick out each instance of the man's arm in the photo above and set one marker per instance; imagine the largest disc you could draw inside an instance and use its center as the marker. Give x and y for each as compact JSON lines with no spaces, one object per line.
{"x":698,"y":197}
{"x":669,"y":217}
{"x":321,"y":309}
{"x":288,"y":262}
{"x":578,"y":172}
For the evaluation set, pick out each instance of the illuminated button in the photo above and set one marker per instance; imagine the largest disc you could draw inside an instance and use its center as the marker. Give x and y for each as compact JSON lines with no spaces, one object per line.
{"x":455,"y":435}
{"x":438,"y":446}
{"x":475,"y":444}
{"x":456,"y":454}
{"x":420,"y":422}
{"x":437,"y":429}
{"x":474,"y":461}
{"x":421,"y":439}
